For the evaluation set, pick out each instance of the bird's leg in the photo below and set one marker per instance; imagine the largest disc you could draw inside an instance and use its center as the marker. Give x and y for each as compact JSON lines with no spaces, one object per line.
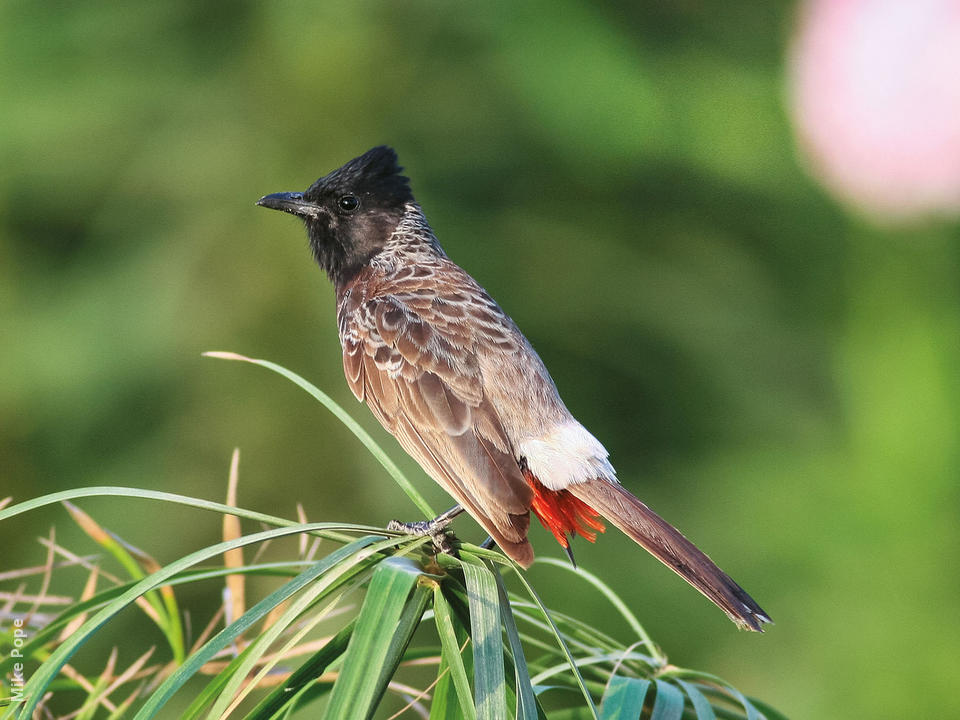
{"x":426,"y":527}
{"x":435,"y":529}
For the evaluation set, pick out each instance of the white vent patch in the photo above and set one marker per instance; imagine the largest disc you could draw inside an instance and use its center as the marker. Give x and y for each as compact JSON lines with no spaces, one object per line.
{"x":567,"y":454}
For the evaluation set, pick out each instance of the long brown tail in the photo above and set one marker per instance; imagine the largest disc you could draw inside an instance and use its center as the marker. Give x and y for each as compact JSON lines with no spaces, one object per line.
{"x":669,"y":546}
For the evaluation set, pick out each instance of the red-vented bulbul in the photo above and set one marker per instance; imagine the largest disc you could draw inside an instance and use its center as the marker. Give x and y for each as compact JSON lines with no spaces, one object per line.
{"x":450,"y":375}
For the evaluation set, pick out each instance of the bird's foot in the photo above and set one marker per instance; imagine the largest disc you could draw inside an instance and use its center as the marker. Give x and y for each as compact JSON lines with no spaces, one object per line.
{"x":443,"y":540}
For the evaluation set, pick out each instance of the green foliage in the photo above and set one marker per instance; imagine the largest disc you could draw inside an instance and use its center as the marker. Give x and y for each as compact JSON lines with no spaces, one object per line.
{"x":349,"y":422}
{"x":774,"y":376}
{"x":352,"y":668}
{"x":467,"y":599}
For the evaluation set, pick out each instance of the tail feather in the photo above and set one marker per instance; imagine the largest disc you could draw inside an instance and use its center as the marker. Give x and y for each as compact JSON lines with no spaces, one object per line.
{"x":669,"y":546}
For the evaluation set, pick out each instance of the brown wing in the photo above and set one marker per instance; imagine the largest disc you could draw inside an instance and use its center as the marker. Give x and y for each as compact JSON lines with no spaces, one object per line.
{"x":411,"y":357}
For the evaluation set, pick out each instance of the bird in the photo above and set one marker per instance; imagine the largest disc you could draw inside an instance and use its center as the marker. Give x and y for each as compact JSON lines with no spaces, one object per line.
{"x":450,"y":375}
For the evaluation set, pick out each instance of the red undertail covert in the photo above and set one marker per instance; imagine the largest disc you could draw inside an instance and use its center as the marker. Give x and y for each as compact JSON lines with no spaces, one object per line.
{"x":563,"y":514}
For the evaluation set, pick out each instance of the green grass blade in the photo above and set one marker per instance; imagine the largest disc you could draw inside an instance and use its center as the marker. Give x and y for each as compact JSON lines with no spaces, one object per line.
{"x":291,"y":643}
{"x":242,"y":666}
{"x":547,"y":626}
{"x":255,"y":650}
{"x":489,"y":681}
{"x":585,"y":691}
{"x":37,"y":684}
{"x":213,"y":688}
{"x":623,"y":699}
{"x":770,"y":713}
{"x":668,"y":704}
{"x":445,"y":704}
{"x":49,"y":632}
{"x":328,"y":573}
{"x":577,"y":631}
{"x":451,"y":655}
{"x":614,"y":599}
{"x":327,"y":530}
{"x":752,"y":712}
{"x":163,"y":603}
{"x":701,"y":706}
{"x":406,"y":627}
{"x":92,"y":702}
{"x":123,"y":707}
{"x":343,"y":416}
{"x":353,"y":694}
{"x":526,"y":698}
{"x":722,"y":686}
{"x":584,"y":661}
{"x":303,"y":677}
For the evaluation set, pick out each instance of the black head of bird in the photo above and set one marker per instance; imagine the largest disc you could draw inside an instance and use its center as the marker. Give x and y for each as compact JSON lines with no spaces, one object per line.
{"x":351,"y":212}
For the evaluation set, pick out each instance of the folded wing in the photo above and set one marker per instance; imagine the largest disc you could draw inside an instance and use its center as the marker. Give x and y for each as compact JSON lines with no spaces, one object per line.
{"x":412,"y":359}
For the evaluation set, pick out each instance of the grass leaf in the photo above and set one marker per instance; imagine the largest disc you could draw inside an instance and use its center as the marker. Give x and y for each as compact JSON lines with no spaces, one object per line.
{"x":562,"y":644}
{"x":232,"y":694}
{"x":451,"y":655}
{"x":343,"y":416}
{"x":334,"y":569}
{"x":36,"y":686}
{"x":488,"y":674}
{"x":614,"y":599}
{"x":288,"y":694}
{"x":668,"y":704}
{"x":719,"y":686}
{"x":445,"y":703}
{"x":409,"y":622}
{"x":355,"y":693}
{"x":161,"y":608}
{"x":357,"y":666}
{"x":324,"y":529}
{"x":623,"y":699}
{"x":526,"y":698}
{"x":701,"y":705}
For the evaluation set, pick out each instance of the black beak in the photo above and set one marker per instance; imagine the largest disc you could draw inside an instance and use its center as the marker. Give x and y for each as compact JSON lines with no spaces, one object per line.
{"x":291,"y":202}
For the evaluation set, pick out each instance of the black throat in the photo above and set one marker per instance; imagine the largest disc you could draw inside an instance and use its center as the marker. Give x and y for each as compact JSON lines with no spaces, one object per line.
{"x":340,"y":265}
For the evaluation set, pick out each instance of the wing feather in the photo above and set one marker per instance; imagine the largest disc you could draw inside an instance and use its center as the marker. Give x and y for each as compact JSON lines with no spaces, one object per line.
{"x":353,"y":359}
{"x":412,"y":358}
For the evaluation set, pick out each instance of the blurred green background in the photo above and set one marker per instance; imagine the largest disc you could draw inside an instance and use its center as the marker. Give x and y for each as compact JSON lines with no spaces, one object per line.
{"x":773,"y":374}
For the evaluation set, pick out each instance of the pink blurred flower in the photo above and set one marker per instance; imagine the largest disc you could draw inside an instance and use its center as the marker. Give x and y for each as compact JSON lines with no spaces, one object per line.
{"x":875,"y":99}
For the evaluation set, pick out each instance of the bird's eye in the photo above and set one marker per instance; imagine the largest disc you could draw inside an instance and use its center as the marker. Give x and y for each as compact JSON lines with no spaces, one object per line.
{"x":348,"y":203}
